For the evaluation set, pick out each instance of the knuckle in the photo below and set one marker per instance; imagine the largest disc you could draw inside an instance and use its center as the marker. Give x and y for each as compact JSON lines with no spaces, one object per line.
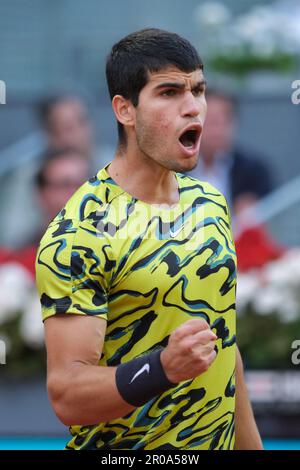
{"x":174,"y":338}
{"x":187,"y":348}
{"x":177,"y":334}
{"x":186,"y":343}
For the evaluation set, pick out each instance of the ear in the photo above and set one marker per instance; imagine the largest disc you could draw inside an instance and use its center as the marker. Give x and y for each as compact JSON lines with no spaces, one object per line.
{"x":124,"y":110}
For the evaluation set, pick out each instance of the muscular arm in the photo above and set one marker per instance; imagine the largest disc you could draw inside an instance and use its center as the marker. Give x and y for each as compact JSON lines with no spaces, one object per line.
{"x":81,"y":391}
{"x":246,"y":433}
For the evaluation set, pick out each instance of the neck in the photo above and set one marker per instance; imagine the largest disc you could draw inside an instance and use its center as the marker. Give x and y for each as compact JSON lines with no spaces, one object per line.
{"x":143,"y":179}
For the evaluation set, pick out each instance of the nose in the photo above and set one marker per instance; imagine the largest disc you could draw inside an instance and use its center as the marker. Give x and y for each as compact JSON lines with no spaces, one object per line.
{"x":191,"y":105}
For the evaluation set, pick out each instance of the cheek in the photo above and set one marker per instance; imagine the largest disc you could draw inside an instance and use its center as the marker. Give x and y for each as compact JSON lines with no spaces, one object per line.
{"x":203,"y":110}
{"x":162,"y":123}
{"x":155,"y":123}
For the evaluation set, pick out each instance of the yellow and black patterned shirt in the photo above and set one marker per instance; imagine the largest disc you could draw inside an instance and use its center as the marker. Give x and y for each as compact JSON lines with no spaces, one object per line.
{"x":147,"y":269}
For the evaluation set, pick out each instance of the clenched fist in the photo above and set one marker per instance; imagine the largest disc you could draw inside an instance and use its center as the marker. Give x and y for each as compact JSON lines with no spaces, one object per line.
{"x":190,"y":351}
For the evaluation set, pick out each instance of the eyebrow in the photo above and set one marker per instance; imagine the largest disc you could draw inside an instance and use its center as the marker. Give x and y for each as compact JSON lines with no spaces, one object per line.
{"x":179,"y":86}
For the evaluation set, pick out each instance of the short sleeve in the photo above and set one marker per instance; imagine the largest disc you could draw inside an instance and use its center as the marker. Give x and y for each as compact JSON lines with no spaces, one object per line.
{"x":74,"y":266}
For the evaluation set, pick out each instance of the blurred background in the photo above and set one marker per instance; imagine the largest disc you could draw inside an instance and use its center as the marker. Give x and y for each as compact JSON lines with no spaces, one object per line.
{"x":57,"y":129}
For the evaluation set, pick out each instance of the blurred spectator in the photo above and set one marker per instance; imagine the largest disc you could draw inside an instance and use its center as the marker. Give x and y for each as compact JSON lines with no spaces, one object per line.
{"x":66,"y":123}
{"x":239,"y":175}
{"x":62,"y":173}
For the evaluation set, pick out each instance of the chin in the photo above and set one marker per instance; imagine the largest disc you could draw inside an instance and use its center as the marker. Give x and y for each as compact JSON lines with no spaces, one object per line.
{"x":186,"y":165}
{"x":181,"y":165}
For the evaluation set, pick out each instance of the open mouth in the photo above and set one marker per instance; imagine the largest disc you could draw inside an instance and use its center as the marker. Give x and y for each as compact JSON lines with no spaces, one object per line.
{"x":189,"y":138}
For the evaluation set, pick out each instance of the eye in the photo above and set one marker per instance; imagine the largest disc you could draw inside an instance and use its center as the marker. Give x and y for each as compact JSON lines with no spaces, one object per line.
{"x":198,"y":91}
{"x":170,"y":92}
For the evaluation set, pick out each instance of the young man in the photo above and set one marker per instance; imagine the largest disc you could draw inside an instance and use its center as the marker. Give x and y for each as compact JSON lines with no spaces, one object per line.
{"x":137,"y":275}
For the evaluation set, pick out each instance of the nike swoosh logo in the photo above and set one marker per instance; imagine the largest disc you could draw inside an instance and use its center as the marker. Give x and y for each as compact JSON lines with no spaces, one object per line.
{"x":146,"y":367}
{"x":174,"y":234}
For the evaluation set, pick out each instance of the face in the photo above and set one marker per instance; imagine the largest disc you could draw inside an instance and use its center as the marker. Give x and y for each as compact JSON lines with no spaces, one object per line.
{"x":69,"y":126}
{"x":169,"y":118}
{"x":219,"y":126}
{"x":64,"y":177}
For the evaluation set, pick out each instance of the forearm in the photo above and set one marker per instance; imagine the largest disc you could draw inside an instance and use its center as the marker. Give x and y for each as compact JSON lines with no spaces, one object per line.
{"x":82,"y":392}
{"x":87,"y":394}
{"x":246,"y":433}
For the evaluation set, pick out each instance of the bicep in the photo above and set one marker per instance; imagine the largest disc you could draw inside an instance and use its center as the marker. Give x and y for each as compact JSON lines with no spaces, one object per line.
{"x":73,"y":339}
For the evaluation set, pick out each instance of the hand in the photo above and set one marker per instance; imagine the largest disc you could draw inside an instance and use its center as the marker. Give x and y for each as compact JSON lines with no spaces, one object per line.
{"x":190,"y":351}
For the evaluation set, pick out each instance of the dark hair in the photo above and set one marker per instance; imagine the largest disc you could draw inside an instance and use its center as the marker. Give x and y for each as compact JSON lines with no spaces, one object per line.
{"x":50,"y":156}
{"x":147,"y":50}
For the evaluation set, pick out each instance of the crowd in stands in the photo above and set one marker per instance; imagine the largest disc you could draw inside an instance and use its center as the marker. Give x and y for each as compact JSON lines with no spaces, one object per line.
{"x":70,"y":158}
